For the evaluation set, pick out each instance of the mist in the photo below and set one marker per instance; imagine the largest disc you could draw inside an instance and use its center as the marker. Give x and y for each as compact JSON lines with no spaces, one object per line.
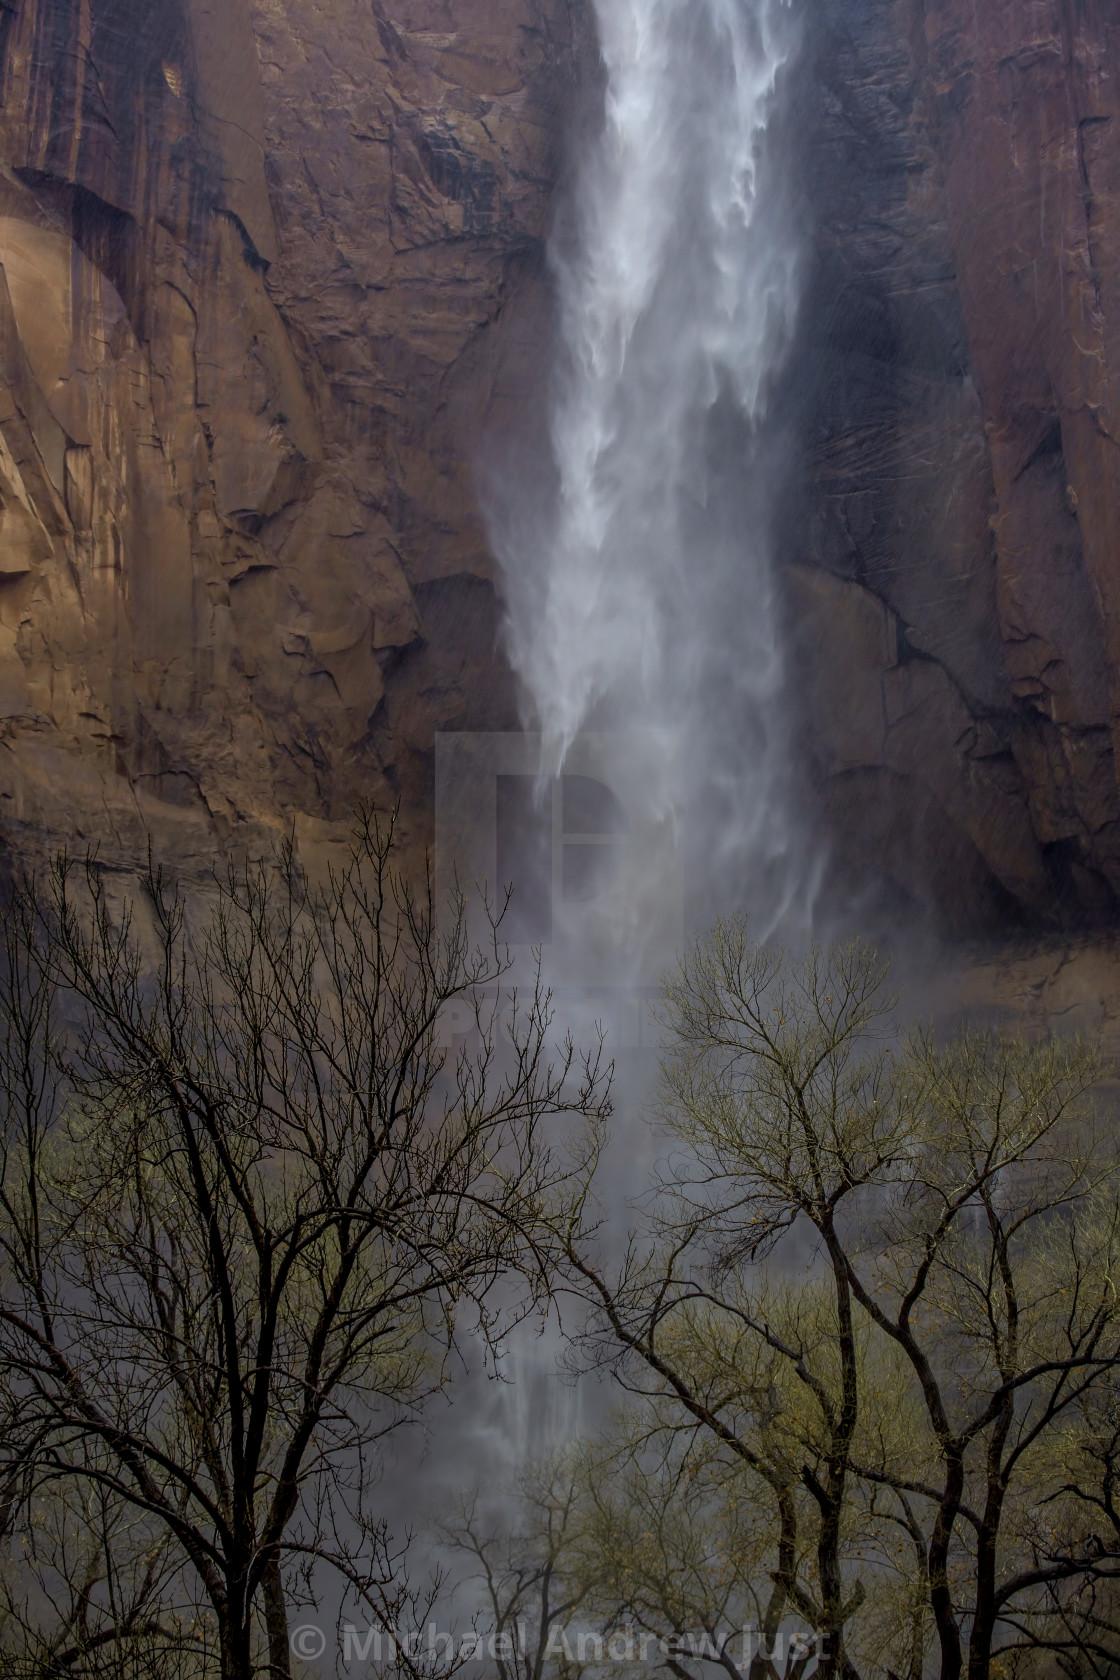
{"x":637,"y":555}
{"x":637,"y":562}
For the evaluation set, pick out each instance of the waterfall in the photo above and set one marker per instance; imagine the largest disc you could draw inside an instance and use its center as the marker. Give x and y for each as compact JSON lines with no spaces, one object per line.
{"x":638,"y":574}
{"x":639,"y":584}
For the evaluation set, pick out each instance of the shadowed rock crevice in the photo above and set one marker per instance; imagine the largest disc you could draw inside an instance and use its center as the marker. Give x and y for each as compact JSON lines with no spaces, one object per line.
{"x":244,"y":278}
{"x":958,"y":361}
{"x":274,"y":302}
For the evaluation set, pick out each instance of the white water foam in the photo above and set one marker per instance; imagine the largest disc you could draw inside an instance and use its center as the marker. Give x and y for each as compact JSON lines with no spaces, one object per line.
{"x":642,"y":617}
{"x":639,"y":586}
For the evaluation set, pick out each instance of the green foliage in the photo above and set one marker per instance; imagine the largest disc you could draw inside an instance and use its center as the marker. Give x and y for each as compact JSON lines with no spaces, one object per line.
{"x":875,"y":1293}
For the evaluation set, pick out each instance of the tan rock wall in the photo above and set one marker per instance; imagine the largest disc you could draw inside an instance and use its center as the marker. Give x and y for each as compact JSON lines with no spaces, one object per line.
{"x":269,"y":271}
{"x":255,"y":261}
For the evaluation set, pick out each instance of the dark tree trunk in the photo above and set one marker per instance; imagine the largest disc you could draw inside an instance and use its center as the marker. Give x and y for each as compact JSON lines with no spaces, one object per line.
{"x":940,"y":1595}
{"x":276,"y":1620}
{"x":236,"y":1644}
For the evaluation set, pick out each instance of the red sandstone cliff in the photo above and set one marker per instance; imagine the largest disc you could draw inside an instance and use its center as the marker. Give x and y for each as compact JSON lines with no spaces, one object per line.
{"x":266,"y":269}
{"x":269,"y":268}
{"x":960,"y":621}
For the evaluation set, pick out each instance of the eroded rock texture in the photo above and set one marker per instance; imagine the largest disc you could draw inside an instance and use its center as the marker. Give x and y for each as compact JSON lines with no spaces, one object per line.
{"x":959,"y":626}
{"x":267,"y":268}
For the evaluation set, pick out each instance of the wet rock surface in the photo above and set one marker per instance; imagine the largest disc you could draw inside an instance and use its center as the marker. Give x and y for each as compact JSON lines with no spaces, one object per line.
{"x":961,"y":348}
{"x":257,"y":258}
{"x":271,"y":269}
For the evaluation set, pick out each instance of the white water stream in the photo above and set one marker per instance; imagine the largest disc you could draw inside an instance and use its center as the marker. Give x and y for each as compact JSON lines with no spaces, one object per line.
{"x":638,"y":572}
{"x":639,"y":584}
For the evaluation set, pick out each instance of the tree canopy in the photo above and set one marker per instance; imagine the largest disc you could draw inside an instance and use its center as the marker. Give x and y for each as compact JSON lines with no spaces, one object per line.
{"x":247,"y":1198}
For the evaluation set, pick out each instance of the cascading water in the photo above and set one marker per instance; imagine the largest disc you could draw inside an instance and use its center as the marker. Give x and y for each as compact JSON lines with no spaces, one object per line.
{"x":638,"y":584}
{"x":638,"y":579}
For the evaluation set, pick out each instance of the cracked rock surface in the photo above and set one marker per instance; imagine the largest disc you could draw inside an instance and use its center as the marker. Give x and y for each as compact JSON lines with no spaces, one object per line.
{"x":271,"y":269}
{"x":265,"y":266}
{"x":958,"y":623}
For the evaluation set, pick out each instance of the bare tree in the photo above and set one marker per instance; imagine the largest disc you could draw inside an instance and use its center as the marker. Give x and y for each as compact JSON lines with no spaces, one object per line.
{"x":529,"y":1572}
{"x":642,"y":1549}
{"x":93,"y":1588}
{"x":246,"y":1198}
{"x":956,"y":1207}
{"x":675,"y":1544}
{"x":992,"y":1272}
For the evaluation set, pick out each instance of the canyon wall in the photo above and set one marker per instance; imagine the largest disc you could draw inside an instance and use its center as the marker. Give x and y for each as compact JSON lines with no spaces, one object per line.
{"x":268,"y":268}
{"x":269,"y":271}
{"x":956,"y":607}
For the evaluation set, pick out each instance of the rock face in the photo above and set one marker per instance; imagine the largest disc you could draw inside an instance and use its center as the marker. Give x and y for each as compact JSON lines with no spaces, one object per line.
{"x":270,"y":268}
{"x":958,"y":623}
{"x":266,"y":268}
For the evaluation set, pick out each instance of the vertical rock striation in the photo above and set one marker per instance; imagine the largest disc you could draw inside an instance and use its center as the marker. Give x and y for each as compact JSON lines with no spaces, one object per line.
{"x":267,"y":267}
{"x":958,"y":622}
{"x":269,"y":270}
